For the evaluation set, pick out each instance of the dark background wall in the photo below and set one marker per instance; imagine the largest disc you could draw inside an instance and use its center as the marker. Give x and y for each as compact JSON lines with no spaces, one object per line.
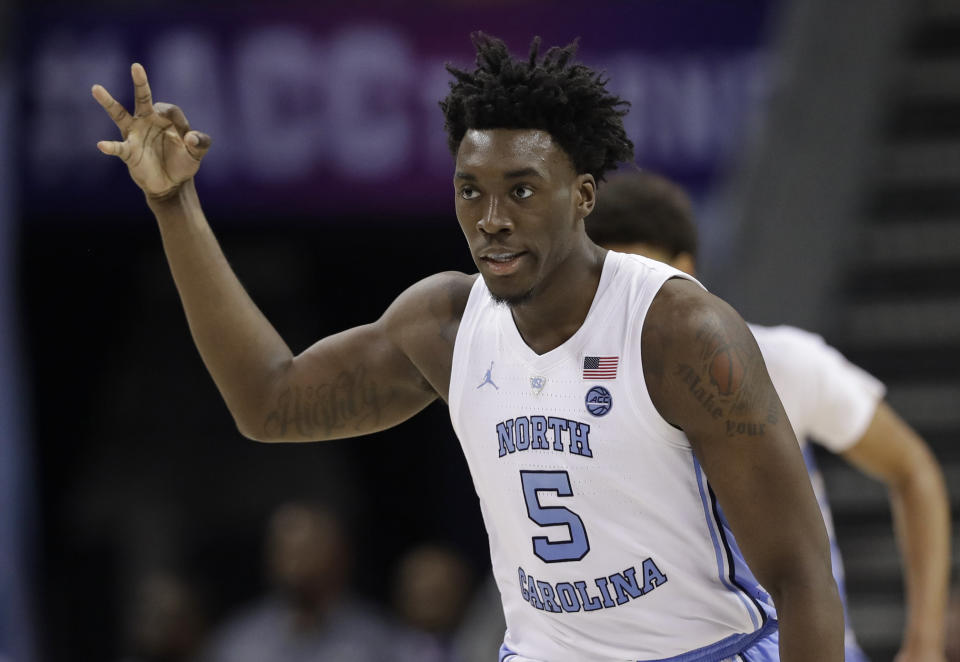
{"x":139,"y":462}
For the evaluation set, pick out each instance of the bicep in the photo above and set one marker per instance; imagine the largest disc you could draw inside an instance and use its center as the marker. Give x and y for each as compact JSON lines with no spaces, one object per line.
{"x":743,"y":439}
{"x":370,"y":377}
{"x":348,"y":384}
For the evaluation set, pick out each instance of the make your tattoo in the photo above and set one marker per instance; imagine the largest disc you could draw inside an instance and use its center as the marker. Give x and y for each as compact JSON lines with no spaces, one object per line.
{"x":724,"y":382}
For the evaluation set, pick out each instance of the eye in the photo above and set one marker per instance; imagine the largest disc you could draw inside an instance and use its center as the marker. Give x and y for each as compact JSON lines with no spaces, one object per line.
{"x":469,"y":193}
{"x":522,"y":192}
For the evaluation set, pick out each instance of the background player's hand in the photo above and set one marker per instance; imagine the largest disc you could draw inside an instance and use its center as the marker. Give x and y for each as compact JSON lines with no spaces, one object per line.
{"x":158,"y":146}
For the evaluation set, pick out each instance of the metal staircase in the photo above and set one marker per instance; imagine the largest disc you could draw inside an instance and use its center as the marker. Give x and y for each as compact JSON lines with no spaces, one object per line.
{"x":898,"y":314}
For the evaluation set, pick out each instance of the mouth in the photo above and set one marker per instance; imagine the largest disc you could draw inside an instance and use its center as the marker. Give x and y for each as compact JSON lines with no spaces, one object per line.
{"x":502,"y":263}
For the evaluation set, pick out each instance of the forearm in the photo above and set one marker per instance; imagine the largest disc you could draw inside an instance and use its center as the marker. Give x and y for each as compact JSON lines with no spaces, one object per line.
{"x":811,"y":621}
{"x":921,"y":520}
{"x":240,"y":348}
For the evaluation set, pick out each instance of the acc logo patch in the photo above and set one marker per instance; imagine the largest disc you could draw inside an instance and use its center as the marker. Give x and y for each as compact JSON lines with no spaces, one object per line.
{"x":599,"y":401}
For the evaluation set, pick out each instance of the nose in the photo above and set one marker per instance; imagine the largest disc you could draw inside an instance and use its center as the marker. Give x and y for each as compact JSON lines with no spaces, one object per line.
{"x":494,"y":220}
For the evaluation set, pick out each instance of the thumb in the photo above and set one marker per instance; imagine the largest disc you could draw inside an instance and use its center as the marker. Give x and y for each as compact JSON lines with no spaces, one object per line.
{"x":115,"y":148}
{"x":197,"y":144}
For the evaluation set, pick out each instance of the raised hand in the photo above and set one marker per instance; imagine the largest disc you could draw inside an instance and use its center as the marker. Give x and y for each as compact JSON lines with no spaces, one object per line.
{"x":158,"y":146}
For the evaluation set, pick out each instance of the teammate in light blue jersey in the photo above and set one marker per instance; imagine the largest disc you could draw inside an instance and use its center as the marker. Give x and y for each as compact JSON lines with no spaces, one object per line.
{"x":828,"y":400}
{"x":607,"y":404}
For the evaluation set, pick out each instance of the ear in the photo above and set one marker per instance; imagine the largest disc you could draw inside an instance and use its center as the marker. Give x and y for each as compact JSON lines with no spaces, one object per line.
{"x":586,"y":195}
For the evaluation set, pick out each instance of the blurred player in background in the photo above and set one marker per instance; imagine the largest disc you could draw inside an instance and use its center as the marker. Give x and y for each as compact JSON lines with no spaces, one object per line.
{"x":571,"y":375}
{"x":308,"y":613}
{"x":432,"y":587}
{"x":168,"y":619}
{"x":827,"y":399}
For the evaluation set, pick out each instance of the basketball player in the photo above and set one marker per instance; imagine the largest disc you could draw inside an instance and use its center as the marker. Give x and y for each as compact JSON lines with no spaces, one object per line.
{"x":827,"y":399}
{"x":627,"y":446}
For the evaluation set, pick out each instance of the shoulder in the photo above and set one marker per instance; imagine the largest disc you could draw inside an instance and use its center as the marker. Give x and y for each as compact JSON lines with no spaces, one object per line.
{"x":693,"y":338}
{"x":685,"y":323}
{"x":441,"y":297}
{"x":429,"y":307}
{"x":423,"y":323}
{"x":682,"y":310}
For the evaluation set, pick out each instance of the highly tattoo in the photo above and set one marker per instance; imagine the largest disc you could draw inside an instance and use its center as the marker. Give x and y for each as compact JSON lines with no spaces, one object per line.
{"x":351,"y":400}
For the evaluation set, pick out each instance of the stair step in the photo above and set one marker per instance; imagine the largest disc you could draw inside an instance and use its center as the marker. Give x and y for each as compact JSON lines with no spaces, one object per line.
{"x":925,"y":119}
{"x":933,"y":405}
{"x":917,"y":322}
{"x":929,"y":79}
{"x":871,"y":562}
{"x":877,"y":618}
{"x":938,"y":10}
{"x":916,"y":241}
{"x":850,"y":490}
{"x":918,"y":162}
{"x":891,"y":363}
{"x":892,"y":283}
{"x":939,"y":36}
{"x":894,"y":203}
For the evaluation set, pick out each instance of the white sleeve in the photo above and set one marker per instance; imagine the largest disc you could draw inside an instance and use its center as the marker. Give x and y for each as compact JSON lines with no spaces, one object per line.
{"x":845,"y":397}
{"x":828,"y":399}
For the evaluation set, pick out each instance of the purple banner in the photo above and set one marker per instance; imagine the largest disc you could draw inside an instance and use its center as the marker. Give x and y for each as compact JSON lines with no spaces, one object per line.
{"x":333,"y":112}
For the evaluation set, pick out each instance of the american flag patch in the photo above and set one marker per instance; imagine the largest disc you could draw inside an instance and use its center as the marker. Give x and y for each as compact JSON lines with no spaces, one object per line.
{"x":600,"y":367}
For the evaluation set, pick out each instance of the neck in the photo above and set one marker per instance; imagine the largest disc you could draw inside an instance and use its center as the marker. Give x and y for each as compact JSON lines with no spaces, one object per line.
{"x":559,"y":307}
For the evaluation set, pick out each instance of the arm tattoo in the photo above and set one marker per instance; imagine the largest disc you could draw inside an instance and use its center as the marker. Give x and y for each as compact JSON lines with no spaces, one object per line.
{"x":350,"y":402}
{"x":724,"y":382}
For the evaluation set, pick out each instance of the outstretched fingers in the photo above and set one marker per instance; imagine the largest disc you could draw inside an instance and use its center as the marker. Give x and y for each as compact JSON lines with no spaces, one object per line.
{"x":141,"y":91}
{"x":117,"y":112}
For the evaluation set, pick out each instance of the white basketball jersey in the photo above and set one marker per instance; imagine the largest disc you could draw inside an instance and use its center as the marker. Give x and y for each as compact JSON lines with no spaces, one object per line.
{"x":605,"y":538}
{"x":829,"y":401}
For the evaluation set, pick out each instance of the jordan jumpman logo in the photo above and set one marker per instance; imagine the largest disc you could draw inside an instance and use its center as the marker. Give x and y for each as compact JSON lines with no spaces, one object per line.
{"x":488,"y":378}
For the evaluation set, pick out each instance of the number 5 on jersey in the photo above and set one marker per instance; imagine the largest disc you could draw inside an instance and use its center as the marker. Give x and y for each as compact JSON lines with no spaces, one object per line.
{"x":577,"y":546}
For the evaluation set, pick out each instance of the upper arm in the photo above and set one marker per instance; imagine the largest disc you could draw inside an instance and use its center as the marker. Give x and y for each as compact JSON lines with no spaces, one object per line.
{"x":698,"y":350}
{"x":370,"y":377}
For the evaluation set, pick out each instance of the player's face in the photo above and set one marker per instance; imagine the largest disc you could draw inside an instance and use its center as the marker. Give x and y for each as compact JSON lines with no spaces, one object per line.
{"x":520,"y":205}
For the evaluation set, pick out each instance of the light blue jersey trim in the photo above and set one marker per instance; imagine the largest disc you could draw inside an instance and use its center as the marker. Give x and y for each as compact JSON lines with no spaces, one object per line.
{"x":724,"y":648}
{"x":504,"y":653}
{"x":854,"y":652}
{"x":742,"y":574}
{"x":717,"y":652}
{"x":711,"y":524}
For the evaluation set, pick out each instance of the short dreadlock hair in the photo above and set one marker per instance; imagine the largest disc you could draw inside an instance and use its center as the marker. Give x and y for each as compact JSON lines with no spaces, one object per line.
{"x":642,"y":207}
{"x":569,"y":101}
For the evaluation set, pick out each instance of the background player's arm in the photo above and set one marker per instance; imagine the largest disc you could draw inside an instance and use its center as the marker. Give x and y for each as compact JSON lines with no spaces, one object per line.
{"x":892,"y":452}
{"x":349,"y":384}
{"x":751,"y":457}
